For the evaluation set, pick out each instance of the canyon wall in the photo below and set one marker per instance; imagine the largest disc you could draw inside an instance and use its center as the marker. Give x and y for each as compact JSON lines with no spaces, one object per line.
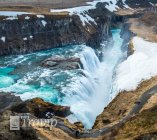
{"x":29,"y":33}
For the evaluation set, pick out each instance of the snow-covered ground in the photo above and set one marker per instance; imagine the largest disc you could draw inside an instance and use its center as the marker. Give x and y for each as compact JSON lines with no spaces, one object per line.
{"x":82,"y":11}
{"x":140,"y":66}
{"x":13,"y":15}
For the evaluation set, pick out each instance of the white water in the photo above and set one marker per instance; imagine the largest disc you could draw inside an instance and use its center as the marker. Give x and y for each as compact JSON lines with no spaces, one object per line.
{"x":91,"y":93}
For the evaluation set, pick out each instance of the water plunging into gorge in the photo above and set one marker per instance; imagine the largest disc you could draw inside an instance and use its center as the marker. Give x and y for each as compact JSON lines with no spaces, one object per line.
{"x":87,"y":91}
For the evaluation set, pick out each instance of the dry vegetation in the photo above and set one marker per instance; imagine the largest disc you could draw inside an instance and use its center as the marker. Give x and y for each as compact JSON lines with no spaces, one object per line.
{"x":145,"y":27}
{"x":45,"y":3}
{"x":143,"y":124}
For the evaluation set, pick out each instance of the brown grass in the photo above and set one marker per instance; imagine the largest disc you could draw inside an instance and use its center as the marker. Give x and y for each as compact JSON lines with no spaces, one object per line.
{"x":39,"y":4}
{"x":131,"y":47}
{"x":145,"y":27}
{"x":143,"y":123}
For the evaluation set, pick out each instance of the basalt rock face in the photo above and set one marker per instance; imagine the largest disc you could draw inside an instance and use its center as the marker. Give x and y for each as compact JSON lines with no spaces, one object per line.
{"x":25,"y":35}
{"x":37,"y":107}
{"x":62,"y":63}
{"x":7,"y":100}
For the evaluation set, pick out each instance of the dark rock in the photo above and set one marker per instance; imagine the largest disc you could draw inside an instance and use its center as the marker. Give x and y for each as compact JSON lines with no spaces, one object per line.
{"x":39,"y":108}
{"x":62,"y":63}
{"x":7,"y":134}
{"x":26,"y":36}
{"x":106,"y":121}
{"x":79,"y":125}
{"x":7,"y":100}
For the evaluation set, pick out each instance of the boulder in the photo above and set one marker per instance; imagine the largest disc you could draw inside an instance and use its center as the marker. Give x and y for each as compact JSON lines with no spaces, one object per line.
{"x":62,"y":63}
{"x":41,"y":109}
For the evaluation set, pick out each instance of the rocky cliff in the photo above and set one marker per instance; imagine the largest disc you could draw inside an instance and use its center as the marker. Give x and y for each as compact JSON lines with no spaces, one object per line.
{"x":29,"y":33}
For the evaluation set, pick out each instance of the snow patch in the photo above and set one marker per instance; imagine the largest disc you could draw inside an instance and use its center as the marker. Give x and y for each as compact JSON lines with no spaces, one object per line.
{"x":82,"y":11}
{"x":27,"y":17}
{"x":3,"y":38}
{"x":44,"y":23}
{"x":25,"y":38}
{"x":12,"y":13}
{"x":140,"y":66}
{"x":11,"y":18}
{"x":40,"y":16}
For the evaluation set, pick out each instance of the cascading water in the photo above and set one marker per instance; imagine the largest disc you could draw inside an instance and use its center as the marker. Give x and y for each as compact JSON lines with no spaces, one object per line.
{"x":92,"y":92}
{"x":85,"y":90}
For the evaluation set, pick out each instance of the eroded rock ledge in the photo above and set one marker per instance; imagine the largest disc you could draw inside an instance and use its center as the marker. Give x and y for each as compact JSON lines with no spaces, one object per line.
{"x":37,"y":107}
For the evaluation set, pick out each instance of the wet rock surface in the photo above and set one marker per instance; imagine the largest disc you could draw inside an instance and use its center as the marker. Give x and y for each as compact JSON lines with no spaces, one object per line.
{"x":62,"y":63}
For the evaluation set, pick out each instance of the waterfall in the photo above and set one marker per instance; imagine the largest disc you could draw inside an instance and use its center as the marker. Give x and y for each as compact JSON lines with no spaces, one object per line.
{"x":89,"y":60}
{"x":89,"y":95}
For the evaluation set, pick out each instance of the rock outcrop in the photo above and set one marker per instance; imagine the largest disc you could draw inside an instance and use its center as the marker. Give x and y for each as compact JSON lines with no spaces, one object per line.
{"x":62,"y":63}
{"x":38,"y":108}
{"x":7,"y":134}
